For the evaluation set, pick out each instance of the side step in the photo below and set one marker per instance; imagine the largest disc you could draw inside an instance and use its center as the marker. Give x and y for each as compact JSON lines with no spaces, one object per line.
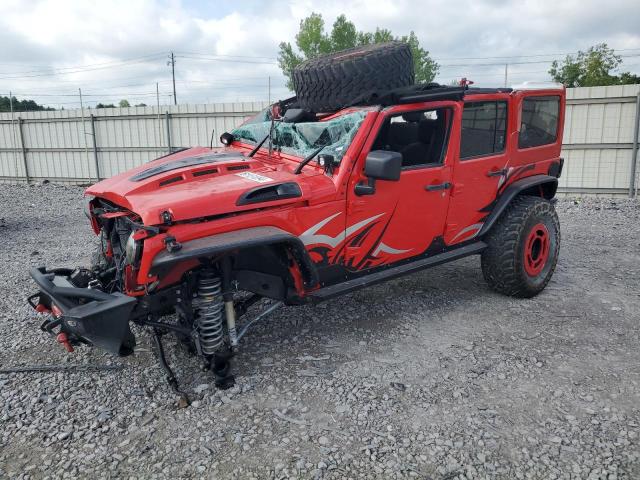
{"x":349,"y":286}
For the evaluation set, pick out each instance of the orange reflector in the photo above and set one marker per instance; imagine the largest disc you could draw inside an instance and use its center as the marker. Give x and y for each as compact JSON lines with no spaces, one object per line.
{"x":64,"y":340}
{"x":40,"y":308}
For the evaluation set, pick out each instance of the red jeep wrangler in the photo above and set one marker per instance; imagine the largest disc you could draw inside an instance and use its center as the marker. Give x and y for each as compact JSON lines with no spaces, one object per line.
{"x":317,"y":196}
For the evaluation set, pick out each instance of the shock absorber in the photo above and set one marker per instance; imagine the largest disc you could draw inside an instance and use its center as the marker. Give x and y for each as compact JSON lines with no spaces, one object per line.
{"x":209,"y":319}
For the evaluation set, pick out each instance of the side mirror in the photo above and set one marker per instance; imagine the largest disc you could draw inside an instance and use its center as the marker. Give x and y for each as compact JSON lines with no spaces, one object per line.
{"x":383,"y":165}
{"x":379,"y":165}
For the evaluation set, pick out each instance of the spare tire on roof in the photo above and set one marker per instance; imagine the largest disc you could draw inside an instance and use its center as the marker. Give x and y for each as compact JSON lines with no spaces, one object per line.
{"x":352,"y":76}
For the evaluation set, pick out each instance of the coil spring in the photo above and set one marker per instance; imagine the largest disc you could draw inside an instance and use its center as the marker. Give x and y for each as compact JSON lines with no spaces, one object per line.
{"x":209,"y":317}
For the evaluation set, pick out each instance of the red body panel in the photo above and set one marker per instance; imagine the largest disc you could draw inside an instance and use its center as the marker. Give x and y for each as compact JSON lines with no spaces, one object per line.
{"x":400,"y":221}
{"x":187,"y":196}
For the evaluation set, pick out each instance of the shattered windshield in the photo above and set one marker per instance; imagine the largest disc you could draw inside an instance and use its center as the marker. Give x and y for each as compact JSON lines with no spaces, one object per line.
{"x":301,"y":139}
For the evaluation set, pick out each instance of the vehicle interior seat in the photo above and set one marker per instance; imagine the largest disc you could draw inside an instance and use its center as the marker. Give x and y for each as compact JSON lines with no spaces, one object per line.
{"x":419,"y":139}
{"x":428,"y":146}
{"x":401,"y":134}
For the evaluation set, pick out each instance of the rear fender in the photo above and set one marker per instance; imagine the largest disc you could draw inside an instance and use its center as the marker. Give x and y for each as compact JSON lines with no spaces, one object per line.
{"x":537,"y":185}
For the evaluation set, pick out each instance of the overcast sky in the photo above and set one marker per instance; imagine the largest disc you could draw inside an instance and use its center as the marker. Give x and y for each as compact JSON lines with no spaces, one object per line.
{"x":226,"y":50}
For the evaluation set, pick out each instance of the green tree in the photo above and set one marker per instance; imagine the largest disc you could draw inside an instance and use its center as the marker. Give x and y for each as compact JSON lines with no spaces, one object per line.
{"x":425,"y":67}
{"x":628,"y":78}
{"x":343,"y":34}
{"x":20,"y":105}
{"x":312,"y":41}
{"x":592,"y":68}
{"x":124,"y":103}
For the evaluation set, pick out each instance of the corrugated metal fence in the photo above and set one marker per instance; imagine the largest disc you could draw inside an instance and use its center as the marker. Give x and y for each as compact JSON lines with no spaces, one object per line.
{"x":72,"y":146}
{"x":601,"y":140}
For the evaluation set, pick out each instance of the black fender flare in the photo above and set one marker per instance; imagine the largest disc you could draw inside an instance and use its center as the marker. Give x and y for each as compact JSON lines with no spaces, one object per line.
{"x":517,"y":188}
{"x":221,"y":243}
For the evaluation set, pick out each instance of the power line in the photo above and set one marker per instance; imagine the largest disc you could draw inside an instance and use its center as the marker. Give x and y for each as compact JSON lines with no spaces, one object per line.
{"x":532,"y":62}
{"x":118,"y":95}
{"x":238,"y":59}
{"x":47,"y":67}
{"x":227,"y":56}
{"x":228,"y":60}
{"x":70,"y":70}
{"x":96,"y":101}
{"x":228,"y":83}
{"x":527,"y":56}
{"x":202,"y":84}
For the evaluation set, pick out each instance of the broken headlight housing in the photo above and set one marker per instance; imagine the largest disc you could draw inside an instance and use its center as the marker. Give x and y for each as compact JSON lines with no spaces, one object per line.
{"x":133,"y":249}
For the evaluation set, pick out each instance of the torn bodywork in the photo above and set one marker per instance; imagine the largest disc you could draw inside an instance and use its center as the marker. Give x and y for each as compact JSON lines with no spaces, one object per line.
{"x":303,"y":206}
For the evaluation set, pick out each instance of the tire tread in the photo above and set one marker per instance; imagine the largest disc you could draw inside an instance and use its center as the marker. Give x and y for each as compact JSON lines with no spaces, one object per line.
{"x":330,"y":82}
{"x":501,"y":260}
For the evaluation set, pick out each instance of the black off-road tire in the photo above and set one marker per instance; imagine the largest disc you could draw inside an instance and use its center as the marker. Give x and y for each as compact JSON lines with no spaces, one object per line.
{"x":509,"y":264}
{"x":331,"y":82}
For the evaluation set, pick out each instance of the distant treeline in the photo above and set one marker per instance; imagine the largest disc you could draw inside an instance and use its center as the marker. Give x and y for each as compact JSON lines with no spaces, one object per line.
{"x":31,"y":106}
{"x":20,"y":105}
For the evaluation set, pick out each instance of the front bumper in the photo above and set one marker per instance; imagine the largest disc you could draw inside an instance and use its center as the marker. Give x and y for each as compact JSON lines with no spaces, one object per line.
{"x":85,"y":315}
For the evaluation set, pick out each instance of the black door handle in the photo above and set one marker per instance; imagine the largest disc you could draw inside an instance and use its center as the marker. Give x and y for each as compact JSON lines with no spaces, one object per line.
{"x":497,"y":173}
{"x":440,"y":186}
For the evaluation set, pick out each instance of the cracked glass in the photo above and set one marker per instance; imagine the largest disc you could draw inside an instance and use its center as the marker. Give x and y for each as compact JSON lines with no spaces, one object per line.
{"x":303,"y":138}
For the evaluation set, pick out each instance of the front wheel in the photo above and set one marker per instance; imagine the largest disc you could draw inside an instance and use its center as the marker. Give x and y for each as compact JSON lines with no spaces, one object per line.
{"x":522,"y":248}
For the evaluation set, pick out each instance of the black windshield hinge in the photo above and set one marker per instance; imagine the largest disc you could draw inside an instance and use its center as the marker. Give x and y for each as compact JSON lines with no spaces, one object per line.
{"x":166,"y":217}
{"x":172,"y":244}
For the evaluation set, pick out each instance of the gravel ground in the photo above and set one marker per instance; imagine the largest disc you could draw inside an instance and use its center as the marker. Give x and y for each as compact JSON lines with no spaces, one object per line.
{"x":430,"y":376}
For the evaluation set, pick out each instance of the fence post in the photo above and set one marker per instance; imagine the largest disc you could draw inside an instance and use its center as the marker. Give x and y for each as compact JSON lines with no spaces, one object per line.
{"x":634,"y":152}
{"x":24,"y":149}
{"x":95,"y":146}
{"x":167,"y":117}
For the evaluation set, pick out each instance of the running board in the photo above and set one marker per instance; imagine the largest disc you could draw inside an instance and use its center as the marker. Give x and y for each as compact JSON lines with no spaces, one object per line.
{"x":349,"y":286}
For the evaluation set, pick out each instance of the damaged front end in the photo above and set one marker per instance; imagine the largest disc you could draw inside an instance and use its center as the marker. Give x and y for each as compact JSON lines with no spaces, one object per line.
{"x":91,"y":305}
{"x":82,"y":314}
{"x":196,"y":290}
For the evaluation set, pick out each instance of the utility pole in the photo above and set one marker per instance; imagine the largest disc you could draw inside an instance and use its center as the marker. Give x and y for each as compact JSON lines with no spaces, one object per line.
{"x":13,"y":133}
{"x":158,"y":111}
{"x":172,"y":62}
{"x":84,"y":132}
{"x":506,"y":74}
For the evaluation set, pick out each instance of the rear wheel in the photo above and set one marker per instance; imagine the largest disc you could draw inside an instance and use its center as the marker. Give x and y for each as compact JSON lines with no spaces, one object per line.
{"x":523,"y":247}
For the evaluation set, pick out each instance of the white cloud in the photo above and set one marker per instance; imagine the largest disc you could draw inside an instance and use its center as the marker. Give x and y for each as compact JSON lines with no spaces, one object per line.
{"x":55,"y":34}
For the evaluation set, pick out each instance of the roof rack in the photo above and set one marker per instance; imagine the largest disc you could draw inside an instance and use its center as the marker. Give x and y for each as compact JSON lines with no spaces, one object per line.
{"x":424,"y":92}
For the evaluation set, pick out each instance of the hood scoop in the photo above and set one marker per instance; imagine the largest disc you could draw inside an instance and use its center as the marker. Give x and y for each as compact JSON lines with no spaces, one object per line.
{"x":184,"y":162}
{"x":270,"y":193}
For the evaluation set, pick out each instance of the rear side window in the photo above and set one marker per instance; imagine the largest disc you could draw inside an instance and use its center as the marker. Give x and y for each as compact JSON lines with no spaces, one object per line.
{"x":539,"y":121}
{"x":484,"y":129}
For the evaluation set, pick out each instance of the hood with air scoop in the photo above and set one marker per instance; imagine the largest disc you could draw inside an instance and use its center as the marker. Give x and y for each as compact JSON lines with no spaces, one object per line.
{"x":202,"y":182}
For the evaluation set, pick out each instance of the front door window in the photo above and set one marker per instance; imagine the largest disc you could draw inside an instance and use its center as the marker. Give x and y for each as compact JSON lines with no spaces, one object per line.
{"x":405,"y":218}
